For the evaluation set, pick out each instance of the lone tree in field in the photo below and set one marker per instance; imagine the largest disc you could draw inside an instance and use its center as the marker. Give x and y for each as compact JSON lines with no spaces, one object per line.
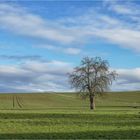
{"x":92,"y":77}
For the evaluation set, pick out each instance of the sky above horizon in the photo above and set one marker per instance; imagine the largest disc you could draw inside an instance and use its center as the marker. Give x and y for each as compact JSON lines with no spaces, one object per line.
{"x":42,"y":41}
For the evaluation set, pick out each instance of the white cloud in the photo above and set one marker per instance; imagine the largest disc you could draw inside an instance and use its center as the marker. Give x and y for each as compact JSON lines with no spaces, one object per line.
{"x":51,"y":67}
{"x":19,"y":21}
{"x":79,"y":29}
{"x":67,"y":50}
{"x":35,"y":76}
{"x":129,"y":9}
{"x":123,"y":30}
{"x":124,"y":37}
{"x":74,"y":51}
{"x":128,"y":79}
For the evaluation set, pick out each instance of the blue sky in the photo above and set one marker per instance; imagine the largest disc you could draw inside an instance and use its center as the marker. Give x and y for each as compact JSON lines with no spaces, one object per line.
{"x":41,"y":41}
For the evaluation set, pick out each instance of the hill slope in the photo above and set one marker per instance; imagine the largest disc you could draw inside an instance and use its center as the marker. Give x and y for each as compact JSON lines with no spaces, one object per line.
{"x":64,"y":100}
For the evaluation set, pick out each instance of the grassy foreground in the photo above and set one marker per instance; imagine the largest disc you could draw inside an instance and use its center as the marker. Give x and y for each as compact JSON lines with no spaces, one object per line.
{"x":57,"y":116}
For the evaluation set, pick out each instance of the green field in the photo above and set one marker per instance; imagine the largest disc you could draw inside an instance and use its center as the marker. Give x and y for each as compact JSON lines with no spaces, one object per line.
{"x":57,"y":116}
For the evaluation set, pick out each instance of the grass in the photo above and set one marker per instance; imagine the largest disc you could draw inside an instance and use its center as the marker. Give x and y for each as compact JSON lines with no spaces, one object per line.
{"x":66,"y":116}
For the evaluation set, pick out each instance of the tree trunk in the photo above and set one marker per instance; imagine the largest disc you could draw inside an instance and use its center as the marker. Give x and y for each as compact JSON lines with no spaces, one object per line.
{"x":92,"y":103}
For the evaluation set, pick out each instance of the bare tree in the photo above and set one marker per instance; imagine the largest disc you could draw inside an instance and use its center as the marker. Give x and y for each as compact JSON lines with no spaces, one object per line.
{"x":92,"y":77}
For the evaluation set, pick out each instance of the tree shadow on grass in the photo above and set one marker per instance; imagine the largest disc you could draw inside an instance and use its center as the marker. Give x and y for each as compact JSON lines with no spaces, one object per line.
{"x":124,"y":134}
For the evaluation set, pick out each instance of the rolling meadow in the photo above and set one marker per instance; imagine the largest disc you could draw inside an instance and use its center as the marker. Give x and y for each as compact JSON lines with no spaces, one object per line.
{"x":65,"y":116}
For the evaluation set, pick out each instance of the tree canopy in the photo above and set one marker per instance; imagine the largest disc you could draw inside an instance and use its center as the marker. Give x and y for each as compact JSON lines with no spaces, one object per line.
{"x":92,"y":77}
